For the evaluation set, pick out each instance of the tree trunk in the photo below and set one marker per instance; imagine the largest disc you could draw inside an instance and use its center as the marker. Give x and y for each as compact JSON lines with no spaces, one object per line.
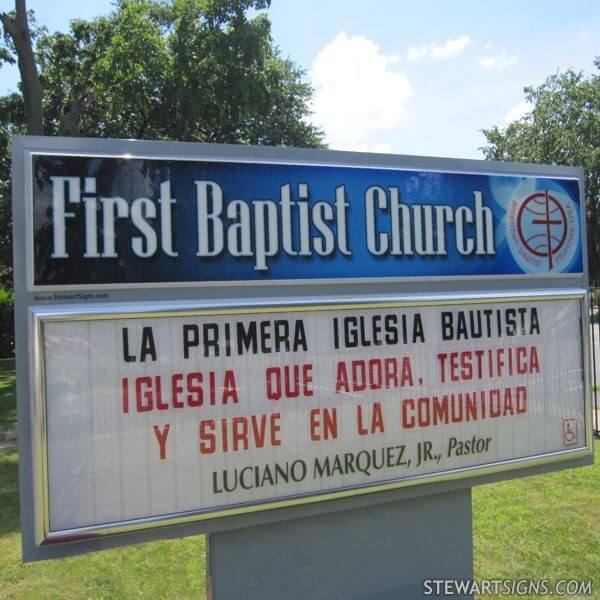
{"x":18,"y":29}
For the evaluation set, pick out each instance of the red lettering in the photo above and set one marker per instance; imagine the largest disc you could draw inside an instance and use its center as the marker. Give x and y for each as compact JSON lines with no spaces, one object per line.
{"x":342,"y":384}
{"x":423,"y":411}
{"x":408,"y":422}
{"x":211,"y":387}
{"x":359,"y":383}
{"x":259,"y":430}
{"x":442,"y":360}
{"x":159,"y":403}
{"x":195,"y":396}
{"x":230,"y":388}
{"x":176,"y":389}
{"x":376,"y":425}
{"x":362,"y":430}
{"x":208,"y":442}
{"x":143,"y":394}
{"x":391,"y":372}
{"x":406,"y":377}
{"x":315,"y":424}
{"x":286,"y":382}
{"x":240,"y":433}
{"x":161,"y":437}
{"x":125,"y":394}
{"x":494,"y":403}
{"x":273,"y":383}
{"x":508,"y":405}
{"x":307,"y":380}
{"x":275,"y":429}
{"x":534,"y":362}
{"x":323,"y":424}
{"x":466,"y":366}
{"x":440,"y":410}
{"x":521,"y":399}
{"x":454,"y":366}
{"x":375,"y":376}
{"x":179,"y":391}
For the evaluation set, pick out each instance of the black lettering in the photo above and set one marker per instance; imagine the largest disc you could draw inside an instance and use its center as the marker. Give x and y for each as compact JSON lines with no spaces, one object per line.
{"x":148,"y":346}
{"x":210,"y":334}
{"x":191,"y":339}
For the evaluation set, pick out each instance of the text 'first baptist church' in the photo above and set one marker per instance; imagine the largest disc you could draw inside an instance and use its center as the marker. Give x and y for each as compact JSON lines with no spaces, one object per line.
{"x":262,"y":228}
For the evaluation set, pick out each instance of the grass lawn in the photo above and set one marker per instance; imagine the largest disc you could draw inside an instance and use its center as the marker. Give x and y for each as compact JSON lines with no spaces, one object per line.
{"x":8,"y":408}
{"x":544,"y":527}
{"x":154,"y":570}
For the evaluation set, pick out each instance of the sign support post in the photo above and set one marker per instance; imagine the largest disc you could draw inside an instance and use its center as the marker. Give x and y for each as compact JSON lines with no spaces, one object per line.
{"x":397,"y":550}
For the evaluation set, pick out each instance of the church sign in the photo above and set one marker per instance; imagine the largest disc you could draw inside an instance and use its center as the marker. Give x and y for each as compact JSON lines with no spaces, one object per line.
{"x":208,"y":332}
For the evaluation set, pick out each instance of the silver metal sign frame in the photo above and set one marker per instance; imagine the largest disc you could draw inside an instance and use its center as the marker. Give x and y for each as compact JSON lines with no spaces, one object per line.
{"x":44,"y":535}
{"x":285,"y":157}
{"x":36,"y":305}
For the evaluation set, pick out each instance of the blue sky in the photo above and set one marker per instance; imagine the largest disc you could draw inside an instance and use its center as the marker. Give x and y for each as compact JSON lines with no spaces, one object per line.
{"x":410,"y":77}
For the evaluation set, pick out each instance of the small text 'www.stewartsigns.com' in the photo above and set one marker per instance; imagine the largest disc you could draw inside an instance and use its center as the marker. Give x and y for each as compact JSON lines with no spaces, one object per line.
{"x":507,"y":587}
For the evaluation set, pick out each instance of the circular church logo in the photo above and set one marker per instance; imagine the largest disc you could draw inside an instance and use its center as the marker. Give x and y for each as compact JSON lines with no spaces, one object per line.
{"x":543,"y":231}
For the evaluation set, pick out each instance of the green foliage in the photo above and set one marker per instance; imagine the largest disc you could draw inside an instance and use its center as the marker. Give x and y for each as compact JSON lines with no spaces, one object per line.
{"x":198,"y":70}
{"x":7,"y":324}
{"x":562,"y":128}
{"x":8,"y":404}
{"x":186,"y":70}
{"x":12,"y":122}
{"x":107,"y":77}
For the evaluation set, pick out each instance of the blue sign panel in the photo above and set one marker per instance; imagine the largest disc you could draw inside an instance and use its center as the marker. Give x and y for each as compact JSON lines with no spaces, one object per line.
{"x":123,"y":221}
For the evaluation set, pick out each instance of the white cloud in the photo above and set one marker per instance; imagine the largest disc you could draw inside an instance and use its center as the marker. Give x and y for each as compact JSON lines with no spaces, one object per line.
{"x":517,"y":112}
{"x":499,"y":62}
{"x":357,"y":93}
{"x":380,"y":147}
{"x":383,"y":147}
{"x":452,"y":48}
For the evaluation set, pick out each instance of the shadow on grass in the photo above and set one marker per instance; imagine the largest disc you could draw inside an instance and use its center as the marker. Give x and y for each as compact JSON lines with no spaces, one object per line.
{"x":9,"y":492}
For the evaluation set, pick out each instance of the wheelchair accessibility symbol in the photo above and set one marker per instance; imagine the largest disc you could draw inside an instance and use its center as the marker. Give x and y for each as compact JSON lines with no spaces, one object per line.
{"x":570,"y":432}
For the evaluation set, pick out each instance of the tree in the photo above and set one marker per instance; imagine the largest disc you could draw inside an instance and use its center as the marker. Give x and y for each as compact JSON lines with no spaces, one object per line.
{"x":17,"y":34}
{"x":184,"y":69}
{"x":200,"y":70}
{"x":12,"y":122}
{"x":562,"y":128}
